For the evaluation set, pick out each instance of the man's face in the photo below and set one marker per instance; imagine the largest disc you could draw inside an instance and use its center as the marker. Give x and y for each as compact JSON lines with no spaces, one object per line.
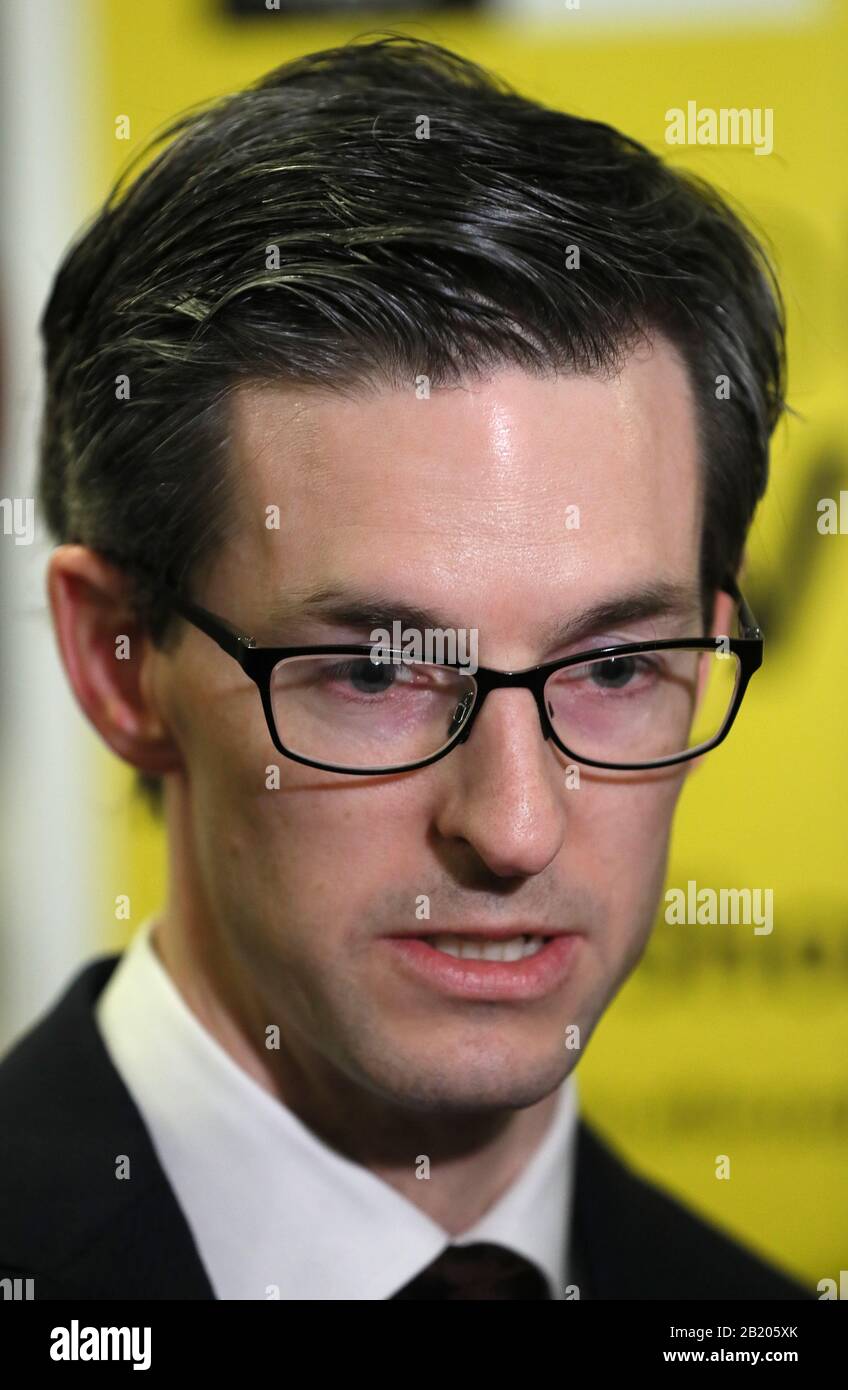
{"x":458,"y":504}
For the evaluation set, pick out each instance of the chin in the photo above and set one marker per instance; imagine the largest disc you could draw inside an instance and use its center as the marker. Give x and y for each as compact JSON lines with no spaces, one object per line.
{"x":462,"y":1085}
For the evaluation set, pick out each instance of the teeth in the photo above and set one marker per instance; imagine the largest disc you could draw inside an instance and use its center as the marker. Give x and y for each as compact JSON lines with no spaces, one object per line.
{"x":517,"y":948}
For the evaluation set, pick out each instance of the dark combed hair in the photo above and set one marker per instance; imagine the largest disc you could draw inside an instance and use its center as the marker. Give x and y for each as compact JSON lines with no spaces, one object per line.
{"x":445,"y":256}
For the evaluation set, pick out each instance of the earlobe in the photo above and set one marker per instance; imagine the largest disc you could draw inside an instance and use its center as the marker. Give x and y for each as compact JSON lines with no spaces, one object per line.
{"x":105,"y":652}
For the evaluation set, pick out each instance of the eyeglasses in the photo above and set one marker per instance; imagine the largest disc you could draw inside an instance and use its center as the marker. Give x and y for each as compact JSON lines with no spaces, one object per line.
{"x":341,"y":708}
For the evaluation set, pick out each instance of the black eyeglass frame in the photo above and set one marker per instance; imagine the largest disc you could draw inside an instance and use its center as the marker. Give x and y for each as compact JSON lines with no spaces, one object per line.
{"x":258,"y":663}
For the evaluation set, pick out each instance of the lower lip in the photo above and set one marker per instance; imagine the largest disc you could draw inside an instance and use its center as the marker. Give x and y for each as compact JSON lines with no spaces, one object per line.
{"x":531,"y":978}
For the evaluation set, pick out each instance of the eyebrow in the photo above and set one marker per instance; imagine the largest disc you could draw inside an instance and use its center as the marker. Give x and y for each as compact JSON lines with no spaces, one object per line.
{"x":368,"y":609}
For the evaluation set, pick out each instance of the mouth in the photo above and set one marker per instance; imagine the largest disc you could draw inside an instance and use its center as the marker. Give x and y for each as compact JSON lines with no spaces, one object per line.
{"x":491,"y":963}
{"x":520,"y":946}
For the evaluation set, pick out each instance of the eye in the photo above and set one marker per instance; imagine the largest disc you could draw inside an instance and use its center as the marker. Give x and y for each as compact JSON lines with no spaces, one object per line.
{"x":366,"y":676}
{"x":612,"y":672}
{"x":360,"y":675}
{"x":615,"y":672}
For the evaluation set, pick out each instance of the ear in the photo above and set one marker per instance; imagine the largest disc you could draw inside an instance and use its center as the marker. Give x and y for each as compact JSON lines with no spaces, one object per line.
{"x":108,"y":657}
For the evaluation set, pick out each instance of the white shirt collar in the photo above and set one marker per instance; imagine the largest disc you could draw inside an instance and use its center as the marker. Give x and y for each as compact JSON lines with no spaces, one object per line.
{"x":270,"y":1205}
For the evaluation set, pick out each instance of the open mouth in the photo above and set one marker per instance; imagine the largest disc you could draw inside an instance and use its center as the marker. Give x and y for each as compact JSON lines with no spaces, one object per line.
{"x":521,"y":966}
{"x":479,"y":948}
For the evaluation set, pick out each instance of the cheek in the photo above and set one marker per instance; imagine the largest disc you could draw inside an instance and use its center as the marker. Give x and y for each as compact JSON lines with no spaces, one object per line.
{"x":216,"y":719}
{"x":627,"y":829}
{"x":629,"y":807}
{"x":321,"y":851}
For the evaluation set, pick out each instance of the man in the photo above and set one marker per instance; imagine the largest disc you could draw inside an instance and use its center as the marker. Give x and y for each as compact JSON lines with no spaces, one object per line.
{"x":379,"y":346}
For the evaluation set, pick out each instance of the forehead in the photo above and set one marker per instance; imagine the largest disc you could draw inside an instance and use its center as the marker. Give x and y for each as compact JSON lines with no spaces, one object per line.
{"x":515,"y":485}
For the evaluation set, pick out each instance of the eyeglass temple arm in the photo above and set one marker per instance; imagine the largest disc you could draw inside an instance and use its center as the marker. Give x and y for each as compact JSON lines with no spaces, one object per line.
{"x":227,"y":636}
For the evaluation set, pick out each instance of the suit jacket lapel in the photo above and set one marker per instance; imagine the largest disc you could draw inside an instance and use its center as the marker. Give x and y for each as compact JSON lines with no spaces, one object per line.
{"x":111,"y":1236}
{"x":606,"y":1260}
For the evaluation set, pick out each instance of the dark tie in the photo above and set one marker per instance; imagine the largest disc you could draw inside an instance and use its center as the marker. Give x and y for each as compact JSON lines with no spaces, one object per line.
{"x":482,"y":1270}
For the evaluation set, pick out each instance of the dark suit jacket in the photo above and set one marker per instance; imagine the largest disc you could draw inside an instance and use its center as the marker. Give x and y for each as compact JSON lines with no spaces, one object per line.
{"x":67,"y":1222}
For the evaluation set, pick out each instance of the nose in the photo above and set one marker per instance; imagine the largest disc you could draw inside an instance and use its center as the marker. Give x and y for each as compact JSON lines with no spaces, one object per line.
{"x":504,"y":790}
